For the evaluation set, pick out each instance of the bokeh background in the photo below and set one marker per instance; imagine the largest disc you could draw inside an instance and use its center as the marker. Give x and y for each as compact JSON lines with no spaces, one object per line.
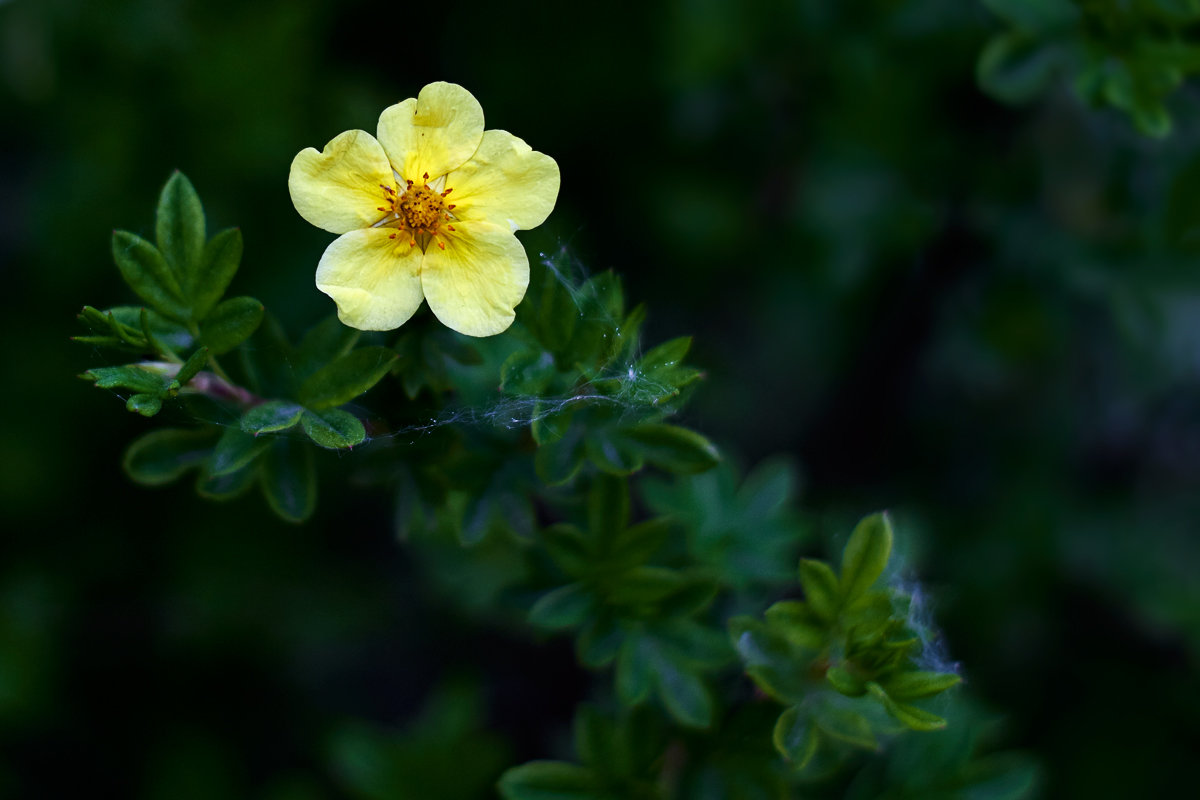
{"x":985,"y":317}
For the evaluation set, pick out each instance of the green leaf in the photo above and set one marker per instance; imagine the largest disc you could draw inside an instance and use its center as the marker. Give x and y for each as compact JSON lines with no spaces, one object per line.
{"x":346,"y":378}
{"x":231,"y":323}
{"x":549,"y":309}
{"x":673,"y":448}
{"x":608,"y":507}
{"x":558,"y":460}
{"x":218,"y":264}
{"x":192,"y":366}
{"x":565,"y":607}
{"x":131,"y":377}
{"x":911,"y":717}
{"x":915,"y":685}
{"x":162,"y":456}
{"x":179,"y":226}
{"x":633,"y":672}
{"x":682,"y":692}
{"x":797,"y":623}
{"x":768,"y":659}
{"x":145,"y":404}
{"x":634,"y":546}
{"x":866,"y":555}
{"x":548,"y":780}
{"x":326,"y":341}
{"x":795,"y":737}
{"x":527,"y":372}
{"x":848,"y":726}
{"x":614,"y":454}
{"x":839,"y":678}
{"x":568,"y":548}
{"x":235,"y":450}
{"x":271,"y":417}
{"x":289,"y":480}
{"x":820,"y":588}
{"x":599,"y":642}
{"x":147,"y":273}
{"x":228,"y":486}
{"x":1015,"y":67}
{"x":333,"y":428}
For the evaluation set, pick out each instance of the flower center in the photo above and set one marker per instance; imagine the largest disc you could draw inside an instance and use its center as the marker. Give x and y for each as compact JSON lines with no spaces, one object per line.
{"x":419,"y":212}
{"x":421,"y":208}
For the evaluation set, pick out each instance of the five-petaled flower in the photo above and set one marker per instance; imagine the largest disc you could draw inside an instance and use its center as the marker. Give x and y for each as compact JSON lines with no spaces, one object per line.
{"x":425,"y":211}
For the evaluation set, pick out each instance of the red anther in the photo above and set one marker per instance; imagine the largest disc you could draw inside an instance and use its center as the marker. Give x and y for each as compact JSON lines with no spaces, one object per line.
{"x":449,"y":227}
{"x":413,"y":243}
{"x":425,"y":177}
{"x":448,"y":191}
{"x":441,"y":244}
{"x":393,"y":236}
{"x":450,"y":206}
{"x":381,"y":208}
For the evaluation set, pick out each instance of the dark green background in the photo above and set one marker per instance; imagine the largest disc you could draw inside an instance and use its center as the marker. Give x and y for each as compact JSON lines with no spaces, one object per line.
{"x":986,"y":318}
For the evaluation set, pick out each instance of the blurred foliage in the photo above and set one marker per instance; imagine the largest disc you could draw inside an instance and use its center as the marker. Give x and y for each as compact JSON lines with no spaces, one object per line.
{"x":981,"y":312}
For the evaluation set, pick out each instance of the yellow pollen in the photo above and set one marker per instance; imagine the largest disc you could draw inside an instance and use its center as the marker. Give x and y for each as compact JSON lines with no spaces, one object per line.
{"x":420,"y":208}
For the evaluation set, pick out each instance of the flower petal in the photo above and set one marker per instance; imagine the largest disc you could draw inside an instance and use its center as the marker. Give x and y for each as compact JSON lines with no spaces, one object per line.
{"x":337,"y":189}
{"x":474,"y":285}
{"x":434,"y":133}
{"x":375,"y":280}
{"x":506,"y":182}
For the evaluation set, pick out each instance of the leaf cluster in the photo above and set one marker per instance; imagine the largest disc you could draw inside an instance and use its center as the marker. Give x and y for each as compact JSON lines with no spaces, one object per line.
{"x":1131,"y":56}
{"x":246,"y":436}
{"x":842,"y":653}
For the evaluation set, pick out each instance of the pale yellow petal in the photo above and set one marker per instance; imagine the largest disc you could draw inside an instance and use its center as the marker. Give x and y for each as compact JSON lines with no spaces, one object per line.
{"x":337,"y":189}
{"x":433,"y":133}
{"x":474,"y":285}
{"x":375,"y":280}
{"x":506,"y":182}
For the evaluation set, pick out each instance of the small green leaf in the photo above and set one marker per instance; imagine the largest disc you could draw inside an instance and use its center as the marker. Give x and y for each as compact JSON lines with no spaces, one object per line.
{"x":916,"y":685}
{"x":599,"y":642}
{"x":145,"y":404}
{"x":565,"y":607}
{"x":231,"y":323}
{"x":848,"y":726}
{"x":193,"y":365}
{"x":559,"y":460}
{"x":131,"y":377}
{"x":162,"y":456}
{"x":673,"y":448}
{"x":289,"y":480}
{"x":235,"y":450}
{"x":634,"y":546}
{"x":568,"y":548}
{"x":866,"y":555}
{"x":333,"y":428}
{"x":147,"y":273}
{"x":795,"y":737}
{"x":179,"y":225}
{"x":683,"y":693}
{"x":633,"y":672}
{"x":271,"y":417}
{"x":615,"y":455}
{"x":218,"y":264}
{"x":608,"y":507}
{"x":527,"y":372}
{"x":345,"y":378}
{"x":839,"y":678}
{"x":548,"y":780}
{"x":797,"y":623}
{"x":911,"y":717}
{"x":228,"y":486}
{"x":326,"y":341}
{"x":820,"y":588}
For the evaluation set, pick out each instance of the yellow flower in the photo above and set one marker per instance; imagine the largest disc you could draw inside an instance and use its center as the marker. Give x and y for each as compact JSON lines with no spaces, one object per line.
{"x":426,"y":211}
